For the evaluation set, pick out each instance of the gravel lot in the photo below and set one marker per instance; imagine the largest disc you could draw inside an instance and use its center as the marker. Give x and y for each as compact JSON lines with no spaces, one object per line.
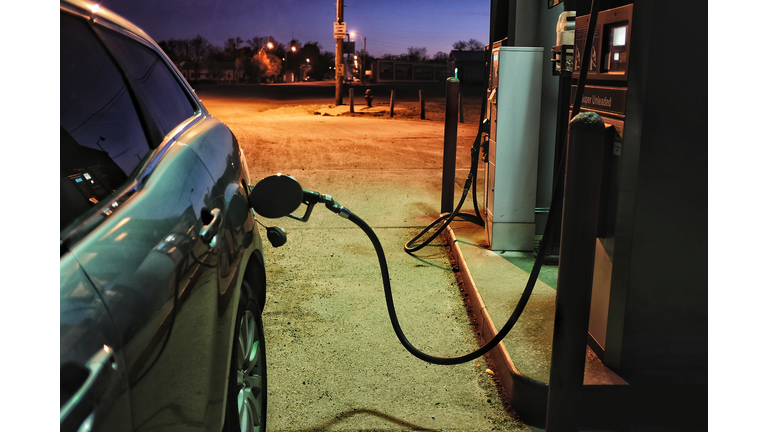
{"x":334,"y":361}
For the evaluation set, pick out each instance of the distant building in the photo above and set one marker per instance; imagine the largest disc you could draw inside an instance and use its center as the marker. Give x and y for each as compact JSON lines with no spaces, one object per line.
{"x":469,"y":66}
{"x":220,"y":71}
{"x":384,"y":71}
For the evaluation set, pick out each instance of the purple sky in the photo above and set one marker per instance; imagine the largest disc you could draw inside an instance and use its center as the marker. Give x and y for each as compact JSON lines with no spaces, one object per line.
{"x":389,"y":26}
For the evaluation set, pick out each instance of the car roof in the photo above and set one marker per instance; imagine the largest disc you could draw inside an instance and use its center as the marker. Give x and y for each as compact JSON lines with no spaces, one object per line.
{"x":111,"y":19}
{"x":102,"y":14}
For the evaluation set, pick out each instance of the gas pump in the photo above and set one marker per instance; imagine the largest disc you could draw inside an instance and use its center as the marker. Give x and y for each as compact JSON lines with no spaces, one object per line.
{"x":604,"y":93}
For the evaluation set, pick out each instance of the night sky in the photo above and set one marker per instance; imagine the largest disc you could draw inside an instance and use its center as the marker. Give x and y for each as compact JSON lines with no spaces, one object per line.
{"x":389,"y":26}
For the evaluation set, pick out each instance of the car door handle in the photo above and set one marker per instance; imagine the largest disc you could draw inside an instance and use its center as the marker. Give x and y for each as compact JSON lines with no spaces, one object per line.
{"x":92,"y":377}
{"x":212,"y":219}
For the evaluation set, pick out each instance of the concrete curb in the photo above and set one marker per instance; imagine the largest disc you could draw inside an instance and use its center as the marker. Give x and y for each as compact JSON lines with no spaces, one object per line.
{"x":528,"y":397}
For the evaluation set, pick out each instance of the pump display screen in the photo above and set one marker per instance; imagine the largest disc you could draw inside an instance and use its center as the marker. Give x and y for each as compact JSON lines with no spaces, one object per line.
{"x":615,"y":59}
{"x":619,"y":36}
{"x":611,"y":45}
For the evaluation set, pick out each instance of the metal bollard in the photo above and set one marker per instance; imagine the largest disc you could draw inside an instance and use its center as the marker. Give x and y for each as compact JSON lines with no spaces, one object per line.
{"x":392,"y":104}
{"x":574,"y":280}
{"x":449,"y":143}
{"x":351,"y":100}
{"x":421,"y":104}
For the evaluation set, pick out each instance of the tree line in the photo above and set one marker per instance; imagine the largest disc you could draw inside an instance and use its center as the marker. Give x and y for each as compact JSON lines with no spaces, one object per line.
{"x":258,"y":62}
{"x":253,"y":57}
{"x":416,"y":54}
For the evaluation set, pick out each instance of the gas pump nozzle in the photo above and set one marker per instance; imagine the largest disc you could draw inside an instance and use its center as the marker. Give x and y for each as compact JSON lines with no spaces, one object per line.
{"x":311,"y":198}
{"x":486,"y":137}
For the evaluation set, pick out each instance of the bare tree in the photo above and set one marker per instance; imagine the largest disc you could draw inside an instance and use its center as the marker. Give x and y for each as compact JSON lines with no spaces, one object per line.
{"x":198,"y":51}
{"x":232,"y":46}
{"x":214,"y":65}
{"x":440,"y":57}
{"x":475,"y":45}
{"x":417,"y":54}
{"x":471,"y":45}
{"x":460,"y":46}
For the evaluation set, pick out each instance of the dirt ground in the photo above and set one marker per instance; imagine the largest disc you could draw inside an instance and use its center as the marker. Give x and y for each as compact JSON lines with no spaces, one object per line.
{"x":334,"y":362}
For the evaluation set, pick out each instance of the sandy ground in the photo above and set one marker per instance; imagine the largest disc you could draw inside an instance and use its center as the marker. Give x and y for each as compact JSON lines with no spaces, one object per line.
{"x":334,"y":361}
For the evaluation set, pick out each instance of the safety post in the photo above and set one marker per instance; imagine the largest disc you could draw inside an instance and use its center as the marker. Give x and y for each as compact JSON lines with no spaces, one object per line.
{"x":351,"y":100}
{"x":421,"y":104}
{"x":578,"y":235}
{"x":449,"y":143}
{"x":392,"y":104}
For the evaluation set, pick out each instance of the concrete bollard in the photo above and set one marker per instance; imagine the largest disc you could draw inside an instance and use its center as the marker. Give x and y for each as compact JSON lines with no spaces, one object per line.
{"x":574,"y":280}
{"x":449,"y":143}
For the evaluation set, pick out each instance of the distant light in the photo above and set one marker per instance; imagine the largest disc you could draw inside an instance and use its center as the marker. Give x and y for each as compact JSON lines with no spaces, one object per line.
{"x":307,"y":60}
{"x":95,"y":8}
{"x":293,"y":49}
{"x":352,"y":34}
{"x":270,"y":45}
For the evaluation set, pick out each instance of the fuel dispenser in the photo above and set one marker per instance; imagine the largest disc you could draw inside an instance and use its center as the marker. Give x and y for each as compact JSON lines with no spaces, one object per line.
{"x":513,"y":108}
{"x":604,"y":93}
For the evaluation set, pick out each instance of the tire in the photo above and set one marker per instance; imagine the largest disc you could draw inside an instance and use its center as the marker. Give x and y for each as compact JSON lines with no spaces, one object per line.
{"x":247,"y":393}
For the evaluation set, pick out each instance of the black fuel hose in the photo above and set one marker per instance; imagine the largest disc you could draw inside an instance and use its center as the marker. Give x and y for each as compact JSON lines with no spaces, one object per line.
{"x":504,"y":330}
{"x":447,"y":218}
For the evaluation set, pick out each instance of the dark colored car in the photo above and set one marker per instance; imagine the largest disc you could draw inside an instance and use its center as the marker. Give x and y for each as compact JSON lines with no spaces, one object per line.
{"x":162,"y":273}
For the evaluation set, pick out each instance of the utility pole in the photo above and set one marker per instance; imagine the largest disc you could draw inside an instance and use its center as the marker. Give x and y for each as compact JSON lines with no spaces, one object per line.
{"x":339,"y":75}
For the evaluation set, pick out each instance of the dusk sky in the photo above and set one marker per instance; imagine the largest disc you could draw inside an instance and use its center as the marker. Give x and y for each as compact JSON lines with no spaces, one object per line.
{"x":389,"y":26}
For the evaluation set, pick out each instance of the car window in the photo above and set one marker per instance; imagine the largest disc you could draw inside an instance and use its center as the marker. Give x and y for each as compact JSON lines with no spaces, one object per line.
{"x":102,"y":139}
{"x":162,"y":92}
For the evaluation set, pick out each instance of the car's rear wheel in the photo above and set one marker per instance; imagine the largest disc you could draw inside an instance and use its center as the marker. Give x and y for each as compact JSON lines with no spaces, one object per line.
{"x":247,"y":395}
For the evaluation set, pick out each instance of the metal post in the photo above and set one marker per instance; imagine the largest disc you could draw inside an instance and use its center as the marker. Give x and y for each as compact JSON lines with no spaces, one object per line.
{"x":421,"y":104}
{"x":449,"y":143}
{"x":339,"y":19}
{"x":392,"y":104}
{"x":351,"y":100}
{"x":574,"y":280}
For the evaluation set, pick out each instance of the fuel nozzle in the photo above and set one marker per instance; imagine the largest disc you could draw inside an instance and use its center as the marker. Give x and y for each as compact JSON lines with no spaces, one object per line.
{"x":486,"y":137}
{"x":311,"y":198}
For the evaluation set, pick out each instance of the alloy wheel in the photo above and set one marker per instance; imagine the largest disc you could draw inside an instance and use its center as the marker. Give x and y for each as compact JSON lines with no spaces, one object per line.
{"x":250,"y":372}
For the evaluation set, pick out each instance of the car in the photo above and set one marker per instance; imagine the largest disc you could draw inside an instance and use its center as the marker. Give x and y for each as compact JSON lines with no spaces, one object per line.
{"x":162,"y":278}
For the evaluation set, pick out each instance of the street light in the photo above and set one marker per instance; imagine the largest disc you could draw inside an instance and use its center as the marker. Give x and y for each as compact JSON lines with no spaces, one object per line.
{"x":305,"y":68}
{"x":365,"y":54}
{"x":287,"y":64}
{"x":268,"y":45}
